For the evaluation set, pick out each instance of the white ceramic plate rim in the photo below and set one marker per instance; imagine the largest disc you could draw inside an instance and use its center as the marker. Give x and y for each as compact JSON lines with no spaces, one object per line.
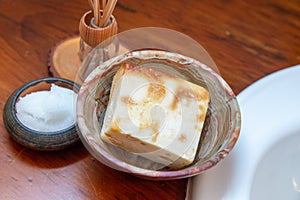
{"x":270,"y":111}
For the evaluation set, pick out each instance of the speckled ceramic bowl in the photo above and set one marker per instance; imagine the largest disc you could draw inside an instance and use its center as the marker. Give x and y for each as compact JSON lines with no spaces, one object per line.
{"x":219,"y":135}
{"x":26,"y":136}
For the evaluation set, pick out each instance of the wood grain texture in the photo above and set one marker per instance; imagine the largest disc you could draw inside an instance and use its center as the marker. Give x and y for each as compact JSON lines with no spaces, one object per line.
{"x":247,"y":40}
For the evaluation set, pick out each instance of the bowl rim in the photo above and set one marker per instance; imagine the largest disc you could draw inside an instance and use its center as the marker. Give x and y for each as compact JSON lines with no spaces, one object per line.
{"x":148,"y":173}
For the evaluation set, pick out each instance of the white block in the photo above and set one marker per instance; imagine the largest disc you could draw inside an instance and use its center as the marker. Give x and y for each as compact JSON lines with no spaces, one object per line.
{"x":155,"y":115}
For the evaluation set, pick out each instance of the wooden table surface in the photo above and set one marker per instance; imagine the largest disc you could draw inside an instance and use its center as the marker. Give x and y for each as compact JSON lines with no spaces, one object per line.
{"x":247,"y":40}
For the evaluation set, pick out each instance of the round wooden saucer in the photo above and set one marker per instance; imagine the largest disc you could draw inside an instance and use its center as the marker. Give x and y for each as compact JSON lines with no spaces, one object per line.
{"x":63,"y":60}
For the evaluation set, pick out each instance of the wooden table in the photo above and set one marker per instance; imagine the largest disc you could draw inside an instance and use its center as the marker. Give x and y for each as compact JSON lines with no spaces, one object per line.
{"x":246,"y":40}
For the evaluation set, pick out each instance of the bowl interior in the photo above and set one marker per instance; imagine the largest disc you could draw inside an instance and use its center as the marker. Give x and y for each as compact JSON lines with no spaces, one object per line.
{"x":221,"y":128}
{"x":43,"y":84}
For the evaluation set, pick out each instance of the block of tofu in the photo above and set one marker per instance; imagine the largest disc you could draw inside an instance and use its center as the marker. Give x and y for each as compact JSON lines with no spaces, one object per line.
{"x":155,"y":115}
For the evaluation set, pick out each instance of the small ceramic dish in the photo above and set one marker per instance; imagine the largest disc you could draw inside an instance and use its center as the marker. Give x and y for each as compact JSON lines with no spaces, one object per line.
{"x":219,"y":135}
{"x":38,"y":140}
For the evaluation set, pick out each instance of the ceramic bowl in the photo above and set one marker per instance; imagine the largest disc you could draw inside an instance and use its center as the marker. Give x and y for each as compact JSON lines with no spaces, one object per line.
{"x":26,"y":136}
{"x":221,"y":127}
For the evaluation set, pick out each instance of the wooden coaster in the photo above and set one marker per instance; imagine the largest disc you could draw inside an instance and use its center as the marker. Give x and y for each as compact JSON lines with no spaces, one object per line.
{"x":63,"y":60}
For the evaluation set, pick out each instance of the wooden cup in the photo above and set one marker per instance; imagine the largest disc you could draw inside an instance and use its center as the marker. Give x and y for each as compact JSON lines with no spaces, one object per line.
{"x":94,"y":35}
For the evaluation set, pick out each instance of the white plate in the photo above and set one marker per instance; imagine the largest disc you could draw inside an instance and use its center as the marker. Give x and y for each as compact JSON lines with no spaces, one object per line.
{"x":270,"y":113}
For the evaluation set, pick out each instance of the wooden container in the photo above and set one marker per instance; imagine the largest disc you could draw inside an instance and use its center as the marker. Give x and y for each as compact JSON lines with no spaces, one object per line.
{"x":66,"y":57}
{"x":93,"y":35}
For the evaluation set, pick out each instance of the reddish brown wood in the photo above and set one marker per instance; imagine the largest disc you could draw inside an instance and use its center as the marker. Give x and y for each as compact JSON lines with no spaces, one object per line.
{"x":63,"y":58}
{"x":247,"y":40}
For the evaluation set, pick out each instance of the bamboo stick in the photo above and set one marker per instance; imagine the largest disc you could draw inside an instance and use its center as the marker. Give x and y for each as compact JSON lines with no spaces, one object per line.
{"x":107,"y":12}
